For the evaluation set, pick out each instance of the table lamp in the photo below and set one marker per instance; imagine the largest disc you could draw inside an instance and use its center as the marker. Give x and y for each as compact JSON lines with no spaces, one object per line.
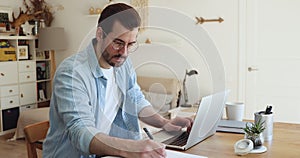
{"x":52,"y":39}
{"x":185,"y":94}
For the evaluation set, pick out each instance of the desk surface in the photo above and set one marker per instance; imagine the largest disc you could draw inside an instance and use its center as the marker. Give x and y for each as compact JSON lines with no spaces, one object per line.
{"x":285,"y":144}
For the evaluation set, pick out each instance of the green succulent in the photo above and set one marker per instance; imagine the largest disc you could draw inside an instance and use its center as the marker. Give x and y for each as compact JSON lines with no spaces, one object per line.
{"x":254,"y":128}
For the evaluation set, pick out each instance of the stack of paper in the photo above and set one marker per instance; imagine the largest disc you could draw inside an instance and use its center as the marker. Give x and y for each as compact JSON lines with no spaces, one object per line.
{"x":174,"y":154}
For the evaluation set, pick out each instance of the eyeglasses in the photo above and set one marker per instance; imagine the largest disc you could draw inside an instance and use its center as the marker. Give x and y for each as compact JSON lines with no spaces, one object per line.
{"x":118,"y":44}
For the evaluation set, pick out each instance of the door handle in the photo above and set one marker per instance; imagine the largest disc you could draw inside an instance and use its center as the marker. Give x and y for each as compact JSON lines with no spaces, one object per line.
{"x":252,"y":69}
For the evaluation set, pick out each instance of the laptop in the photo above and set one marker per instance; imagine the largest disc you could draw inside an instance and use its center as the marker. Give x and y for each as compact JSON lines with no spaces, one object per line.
{"x":205,"y":124}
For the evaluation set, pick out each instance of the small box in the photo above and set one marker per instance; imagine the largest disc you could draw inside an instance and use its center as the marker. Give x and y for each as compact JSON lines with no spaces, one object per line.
{"x":8,"y":54}
{"x":10,"y":118}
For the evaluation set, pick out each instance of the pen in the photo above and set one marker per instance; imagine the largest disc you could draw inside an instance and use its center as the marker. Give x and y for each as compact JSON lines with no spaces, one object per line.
{"x":148,"y":133}
{"x":268,"y":110}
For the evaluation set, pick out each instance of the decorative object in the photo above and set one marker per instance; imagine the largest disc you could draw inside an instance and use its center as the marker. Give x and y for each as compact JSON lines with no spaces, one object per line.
{"x":142,"y":8}
{"x":8,"y":54}
{"x":40,"y":55}
{"x":202,"y":20}
{"x":36,"y":28}
{"x":5,"y":18}
{"x":91,"y":11}
{"x":22,"y":18}
{"x":185,"y":95}
{"x":27,"y":28}
{"x":42,"y":23}
{"x":23,"y":52}
{"x":243,"y":147}
{"x":42,"y":10}
{"x":96,"y":11}
{"x":148,"y":41}
{"x":41,"y":95}
{"x":253,"y":131}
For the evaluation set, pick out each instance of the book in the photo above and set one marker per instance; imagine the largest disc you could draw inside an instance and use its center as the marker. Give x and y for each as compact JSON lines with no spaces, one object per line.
{"x":231,"y":126}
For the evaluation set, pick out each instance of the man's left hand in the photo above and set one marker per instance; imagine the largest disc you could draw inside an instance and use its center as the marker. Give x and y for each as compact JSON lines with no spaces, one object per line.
{"x":178,"y":123}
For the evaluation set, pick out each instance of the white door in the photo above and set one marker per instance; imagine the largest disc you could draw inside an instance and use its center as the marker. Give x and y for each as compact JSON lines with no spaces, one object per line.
{"x":273,"y":58}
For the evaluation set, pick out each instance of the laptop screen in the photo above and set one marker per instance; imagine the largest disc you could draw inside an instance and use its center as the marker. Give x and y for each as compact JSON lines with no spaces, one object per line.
{"x":208,"y":116}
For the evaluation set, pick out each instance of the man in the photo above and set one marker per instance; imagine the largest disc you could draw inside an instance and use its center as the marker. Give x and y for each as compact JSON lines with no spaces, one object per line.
{"x":96,"y":101}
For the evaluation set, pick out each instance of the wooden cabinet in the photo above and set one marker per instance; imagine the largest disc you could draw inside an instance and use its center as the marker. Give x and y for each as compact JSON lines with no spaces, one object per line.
{"x":21,"y":83}
{"x":9,"y":85}
{"x":27,"y":93}
{"x":7,"y":76}
{"x":27,"y":71}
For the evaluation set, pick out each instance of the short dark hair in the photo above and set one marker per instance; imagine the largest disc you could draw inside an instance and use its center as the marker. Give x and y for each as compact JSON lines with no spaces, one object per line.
{"x":121,"y":12}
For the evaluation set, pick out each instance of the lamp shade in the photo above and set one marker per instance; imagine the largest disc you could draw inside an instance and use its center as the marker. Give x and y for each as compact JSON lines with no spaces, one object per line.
{"x":52,"y":38}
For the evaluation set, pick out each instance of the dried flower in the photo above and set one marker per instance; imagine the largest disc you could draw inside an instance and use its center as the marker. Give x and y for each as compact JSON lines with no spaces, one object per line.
{"x":40,"y":6}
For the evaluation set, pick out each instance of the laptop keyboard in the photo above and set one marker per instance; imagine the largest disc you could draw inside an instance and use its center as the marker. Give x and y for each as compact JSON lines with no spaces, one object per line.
{"x":181,"y":140}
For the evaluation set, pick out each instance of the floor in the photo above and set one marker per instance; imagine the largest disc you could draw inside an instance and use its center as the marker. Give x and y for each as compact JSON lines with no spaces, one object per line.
{"x":13,"y":149}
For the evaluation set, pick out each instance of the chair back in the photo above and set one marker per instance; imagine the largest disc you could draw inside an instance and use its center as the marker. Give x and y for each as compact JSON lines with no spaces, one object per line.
{"x":34,"y":135}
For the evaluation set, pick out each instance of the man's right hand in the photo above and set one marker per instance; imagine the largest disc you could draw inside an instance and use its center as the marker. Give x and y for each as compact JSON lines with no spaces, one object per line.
{"x":145,"y":149}
{"x":104,"y":145}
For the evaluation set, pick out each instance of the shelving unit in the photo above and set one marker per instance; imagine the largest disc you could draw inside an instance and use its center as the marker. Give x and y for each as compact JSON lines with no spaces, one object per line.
{"x":19,"y":80}
{"x":44,"y":77}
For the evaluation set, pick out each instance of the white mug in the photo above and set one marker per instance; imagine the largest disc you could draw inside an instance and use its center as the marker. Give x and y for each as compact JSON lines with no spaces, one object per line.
{"x":235,"y":111}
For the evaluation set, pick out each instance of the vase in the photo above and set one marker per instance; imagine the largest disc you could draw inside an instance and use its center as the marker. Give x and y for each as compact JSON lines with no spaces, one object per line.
{"x":257,"y":139}
{"x":42,"y":23}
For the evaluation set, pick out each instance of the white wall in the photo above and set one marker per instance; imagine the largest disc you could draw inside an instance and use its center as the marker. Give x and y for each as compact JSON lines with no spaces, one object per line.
{"x":224,"y":35}
{"x":77,"y":23}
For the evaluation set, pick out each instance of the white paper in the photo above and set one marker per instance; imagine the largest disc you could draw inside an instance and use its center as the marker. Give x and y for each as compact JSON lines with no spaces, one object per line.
{"x":174,"y":154}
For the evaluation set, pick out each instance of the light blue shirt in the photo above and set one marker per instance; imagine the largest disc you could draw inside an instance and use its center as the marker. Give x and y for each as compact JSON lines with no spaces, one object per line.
{"x":78,"y":94}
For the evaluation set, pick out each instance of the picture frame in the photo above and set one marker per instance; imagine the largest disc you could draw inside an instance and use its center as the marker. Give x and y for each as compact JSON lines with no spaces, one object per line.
{"x":40,"y":55}
{"x":22,"y":52}
{"x":41,"y":95}
{"x":5,"y":18}
{"x":41,"y":70}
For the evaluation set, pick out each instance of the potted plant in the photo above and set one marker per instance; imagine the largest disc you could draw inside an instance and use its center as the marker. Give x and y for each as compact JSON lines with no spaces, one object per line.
{"x":253,"y":131}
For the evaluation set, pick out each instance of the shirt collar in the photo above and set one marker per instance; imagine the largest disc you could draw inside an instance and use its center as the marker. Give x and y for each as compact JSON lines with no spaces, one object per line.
{"x":93,"y":60}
